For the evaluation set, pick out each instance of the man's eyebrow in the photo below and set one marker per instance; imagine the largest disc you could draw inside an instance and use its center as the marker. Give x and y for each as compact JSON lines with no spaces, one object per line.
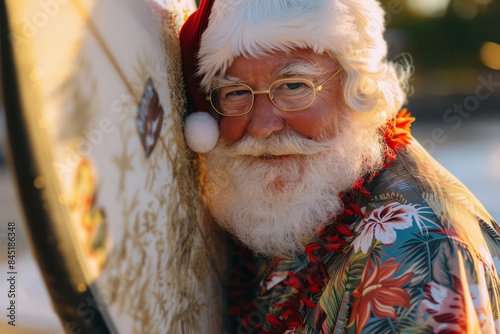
{"x":226,"y":80}
{"x":299,"y":68}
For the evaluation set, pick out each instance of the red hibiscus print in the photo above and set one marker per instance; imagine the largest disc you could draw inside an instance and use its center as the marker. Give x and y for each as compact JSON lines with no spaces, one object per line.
{"x":379,"y":293}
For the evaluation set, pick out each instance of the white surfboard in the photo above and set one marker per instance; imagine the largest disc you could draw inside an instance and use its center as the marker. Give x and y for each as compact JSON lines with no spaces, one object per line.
{"x":94,"y":102}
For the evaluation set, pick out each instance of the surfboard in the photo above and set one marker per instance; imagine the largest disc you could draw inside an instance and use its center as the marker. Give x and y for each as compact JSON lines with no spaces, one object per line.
{"x":94,"y":99}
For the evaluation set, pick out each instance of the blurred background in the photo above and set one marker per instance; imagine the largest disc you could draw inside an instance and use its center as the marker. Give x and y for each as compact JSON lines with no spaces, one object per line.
{"x":455,"y":96}
{"x":455,"y":89}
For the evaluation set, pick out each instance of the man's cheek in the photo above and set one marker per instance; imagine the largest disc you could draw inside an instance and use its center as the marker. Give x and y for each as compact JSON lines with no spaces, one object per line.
{"x":233,"y":128}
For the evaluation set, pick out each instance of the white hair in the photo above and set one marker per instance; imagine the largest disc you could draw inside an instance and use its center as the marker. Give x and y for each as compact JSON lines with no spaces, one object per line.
{"x":277,"y":206}
{"x":350,"y":31}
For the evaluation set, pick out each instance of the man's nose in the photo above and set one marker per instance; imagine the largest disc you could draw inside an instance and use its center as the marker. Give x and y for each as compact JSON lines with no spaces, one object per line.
{"x":265,"y":119}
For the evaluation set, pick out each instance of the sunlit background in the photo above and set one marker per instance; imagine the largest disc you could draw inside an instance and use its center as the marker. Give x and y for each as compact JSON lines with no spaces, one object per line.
{"x":451,"y":41}
{"x":455,"y":88}
{"x":455,"y":47}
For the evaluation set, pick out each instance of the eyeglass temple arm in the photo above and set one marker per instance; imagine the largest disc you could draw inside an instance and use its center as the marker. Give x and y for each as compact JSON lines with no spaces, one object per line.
{"x":320,"y":87}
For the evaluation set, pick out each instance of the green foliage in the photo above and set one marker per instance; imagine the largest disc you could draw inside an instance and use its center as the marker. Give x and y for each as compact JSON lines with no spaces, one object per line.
{"x":450,"y":41}
{"x":420,"y":253}
{"x":333,"y":294}
{"x":346,"y":283}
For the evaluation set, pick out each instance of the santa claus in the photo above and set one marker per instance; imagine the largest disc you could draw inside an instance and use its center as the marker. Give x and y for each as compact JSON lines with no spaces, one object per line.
{"x":310,"y":163}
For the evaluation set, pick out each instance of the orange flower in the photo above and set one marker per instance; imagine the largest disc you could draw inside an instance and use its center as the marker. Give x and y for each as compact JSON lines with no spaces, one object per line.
{"x":399,"y":132}
{"x":379,"y":293}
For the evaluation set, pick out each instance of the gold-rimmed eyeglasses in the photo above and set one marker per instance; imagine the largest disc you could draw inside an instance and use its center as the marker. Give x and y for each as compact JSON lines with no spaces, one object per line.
{"x":291,"y":94}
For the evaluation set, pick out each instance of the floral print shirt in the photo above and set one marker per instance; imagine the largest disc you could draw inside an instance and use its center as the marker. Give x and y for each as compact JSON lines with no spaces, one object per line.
{"x":414,"y":252}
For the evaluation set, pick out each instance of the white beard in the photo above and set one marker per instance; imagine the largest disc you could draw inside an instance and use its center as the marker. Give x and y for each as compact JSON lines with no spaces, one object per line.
{"x":276,"y":205}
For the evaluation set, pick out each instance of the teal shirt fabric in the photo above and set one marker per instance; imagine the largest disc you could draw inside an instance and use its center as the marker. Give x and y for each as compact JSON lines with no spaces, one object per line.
{"x":422,"y":258}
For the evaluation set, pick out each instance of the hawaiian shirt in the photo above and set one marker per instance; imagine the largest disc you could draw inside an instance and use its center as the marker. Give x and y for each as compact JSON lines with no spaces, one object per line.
{"x":414,"y":252}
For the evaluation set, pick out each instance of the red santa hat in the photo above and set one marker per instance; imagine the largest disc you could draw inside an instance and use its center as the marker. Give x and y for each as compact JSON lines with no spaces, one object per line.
{"x":221,"y":30}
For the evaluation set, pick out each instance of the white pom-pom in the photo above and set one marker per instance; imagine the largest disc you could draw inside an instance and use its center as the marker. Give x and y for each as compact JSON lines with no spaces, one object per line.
{"x":201,"y":132}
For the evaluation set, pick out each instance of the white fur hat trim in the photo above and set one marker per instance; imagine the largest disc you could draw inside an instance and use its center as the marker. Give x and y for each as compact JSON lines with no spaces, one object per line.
{"x":201,"y":132}
{"x":353,"y":28}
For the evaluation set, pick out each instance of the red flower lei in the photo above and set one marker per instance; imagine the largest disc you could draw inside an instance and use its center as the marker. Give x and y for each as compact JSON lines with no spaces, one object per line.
{"x":314,"y":277}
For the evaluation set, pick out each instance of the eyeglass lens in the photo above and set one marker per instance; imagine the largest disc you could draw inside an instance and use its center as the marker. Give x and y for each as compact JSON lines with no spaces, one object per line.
{"x":286,"y":94}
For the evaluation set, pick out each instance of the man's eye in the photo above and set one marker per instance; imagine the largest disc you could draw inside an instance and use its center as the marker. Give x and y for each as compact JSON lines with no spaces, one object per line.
{"x":237,"y":93}
{"x":293,"y":85}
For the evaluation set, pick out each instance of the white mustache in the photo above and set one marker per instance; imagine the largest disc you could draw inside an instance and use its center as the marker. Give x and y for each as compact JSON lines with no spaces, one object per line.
{"x":283,"y":144}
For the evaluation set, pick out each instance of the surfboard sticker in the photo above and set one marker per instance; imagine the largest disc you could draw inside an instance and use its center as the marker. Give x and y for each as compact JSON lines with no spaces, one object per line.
{"x":149,"y":118}
{"x":102,"y":96}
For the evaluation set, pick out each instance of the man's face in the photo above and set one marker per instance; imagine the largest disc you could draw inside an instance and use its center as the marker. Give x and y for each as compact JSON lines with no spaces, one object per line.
{"x":319,"y":119}
{"x":274,"y":176}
